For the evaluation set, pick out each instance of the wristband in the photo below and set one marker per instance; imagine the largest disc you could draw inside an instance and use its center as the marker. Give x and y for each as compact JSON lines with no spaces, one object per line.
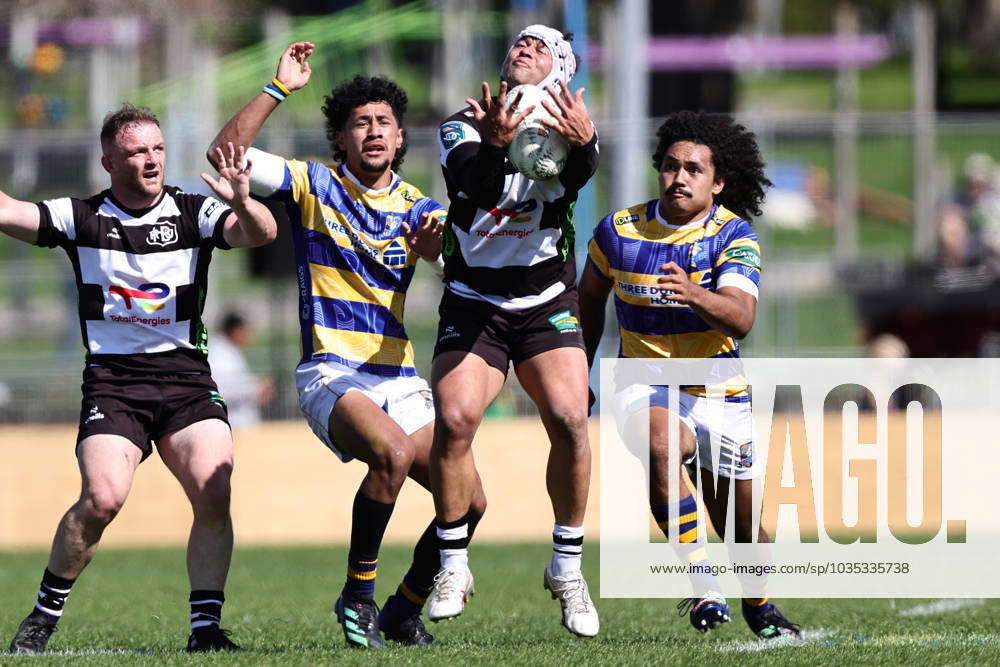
{"x":276,"y":90}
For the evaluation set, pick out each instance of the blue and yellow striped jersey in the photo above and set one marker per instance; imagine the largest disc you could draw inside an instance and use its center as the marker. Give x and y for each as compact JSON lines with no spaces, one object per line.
{"x":628,"y":248}
{"x":353,"y":266}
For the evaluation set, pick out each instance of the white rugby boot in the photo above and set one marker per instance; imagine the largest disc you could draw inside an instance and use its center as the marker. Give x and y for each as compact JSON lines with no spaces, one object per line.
{"x":453,"y":586}
{"x":579,"y":615}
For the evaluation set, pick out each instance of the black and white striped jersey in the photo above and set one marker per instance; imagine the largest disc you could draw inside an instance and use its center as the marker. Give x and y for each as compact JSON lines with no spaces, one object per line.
{"x":509,"y":239}
{"x":141,"y":275}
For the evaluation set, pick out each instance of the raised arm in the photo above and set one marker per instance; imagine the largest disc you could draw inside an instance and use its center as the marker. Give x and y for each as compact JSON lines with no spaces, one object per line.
{"x":19,"y":219}
{"x":251,"y":223}
{"x":241,"y":130}
{"x":476,"y":167}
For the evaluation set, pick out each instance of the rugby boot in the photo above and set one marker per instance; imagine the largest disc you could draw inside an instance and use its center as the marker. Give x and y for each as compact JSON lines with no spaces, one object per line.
{"x":767,"y":622}
{"x":453,"y":586}
{"x":705,"y":613}
{"x":408,"y":630}
{"x":33,"y":634}
{"x":359,"y":619}
{"x":579,"y":615}
{"x":210,"y":639}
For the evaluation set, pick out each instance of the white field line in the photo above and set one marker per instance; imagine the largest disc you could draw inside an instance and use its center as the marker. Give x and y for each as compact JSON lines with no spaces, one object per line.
{"x":755,"y":645}
{"x":944,"y":606}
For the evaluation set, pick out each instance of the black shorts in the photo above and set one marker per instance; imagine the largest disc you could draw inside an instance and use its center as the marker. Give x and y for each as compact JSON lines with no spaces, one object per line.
{"x":502,"y":336}
{"x":144,"y":408}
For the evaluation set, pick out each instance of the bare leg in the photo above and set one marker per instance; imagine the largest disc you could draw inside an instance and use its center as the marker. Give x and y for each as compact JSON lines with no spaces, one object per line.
{"x":107,"y":466}
{"x":200,"y":456}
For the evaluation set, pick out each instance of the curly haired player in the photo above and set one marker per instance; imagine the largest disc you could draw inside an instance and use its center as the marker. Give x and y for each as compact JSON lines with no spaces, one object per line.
{"x":685,"y":270}
{"x":358,"y":230}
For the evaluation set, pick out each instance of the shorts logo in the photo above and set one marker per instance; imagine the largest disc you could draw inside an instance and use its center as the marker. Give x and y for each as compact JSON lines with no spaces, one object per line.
{"x":449,"y":332}
{"x":216,"y":397}
{"x":150,"y":296}
{"x":428,"y":398}
{"x":451,"y":133}
{"x":394,"y":256}
{"x":94,"y":415}
{"x":162,"y":234}
{"x":746,"y":455}
{"x":565,"y":322}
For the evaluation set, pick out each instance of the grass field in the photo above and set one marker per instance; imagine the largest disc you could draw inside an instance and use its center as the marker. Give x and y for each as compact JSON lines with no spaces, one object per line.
{"x":130,"y":608}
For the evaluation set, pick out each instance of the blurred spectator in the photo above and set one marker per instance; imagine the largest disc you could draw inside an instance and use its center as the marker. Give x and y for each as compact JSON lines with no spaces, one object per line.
{"x":245,"y":392}
{"x":969,"y":228}
{"x":887,"y":346}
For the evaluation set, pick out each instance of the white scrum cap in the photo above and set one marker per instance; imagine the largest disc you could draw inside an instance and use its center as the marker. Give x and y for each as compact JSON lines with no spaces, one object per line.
{"x":563,"y":61}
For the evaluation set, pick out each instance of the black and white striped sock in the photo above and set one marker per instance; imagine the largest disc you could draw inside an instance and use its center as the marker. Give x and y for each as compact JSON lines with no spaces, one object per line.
{"x":52,"y":595}
{"x":206,"y":608}
{"x":567,"y":549}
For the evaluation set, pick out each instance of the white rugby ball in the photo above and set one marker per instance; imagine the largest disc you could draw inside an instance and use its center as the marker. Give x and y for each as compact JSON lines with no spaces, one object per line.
{"x":536,"y":151}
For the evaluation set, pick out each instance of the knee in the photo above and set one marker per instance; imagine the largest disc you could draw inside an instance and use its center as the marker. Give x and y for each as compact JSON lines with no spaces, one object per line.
{"x":212,"y":498}
{"x":570,"y":422}
{"x":392,"y":463}
{"x":454,"y":429}
{"x":659,"y":448}
{"x":99,"y":507}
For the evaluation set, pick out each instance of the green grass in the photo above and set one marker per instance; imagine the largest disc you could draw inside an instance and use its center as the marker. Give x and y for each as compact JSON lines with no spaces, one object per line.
{"x":130,"y":608}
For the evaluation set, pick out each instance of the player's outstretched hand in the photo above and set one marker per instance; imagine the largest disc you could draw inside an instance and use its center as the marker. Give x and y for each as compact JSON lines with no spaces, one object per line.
{"x":293,"y":68}
{"x":495,"y":120}
{"x":570,"y":117}
{"x":233,"y":186}
{"x":677,"y":281}
{"x":425,"y":238}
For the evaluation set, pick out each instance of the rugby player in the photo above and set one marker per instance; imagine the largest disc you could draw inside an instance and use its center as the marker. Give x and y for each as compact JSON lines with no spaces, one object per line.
{"x":510,"y":298}
{"x":140,"y":251}
{"x":358,"y":230}
{"x":685,"y":270}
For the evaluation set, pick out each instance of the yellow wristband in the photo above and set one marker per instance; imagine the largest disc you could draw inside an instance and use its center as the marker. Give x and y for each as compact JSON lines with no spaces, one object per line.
{"x":280,"y":86}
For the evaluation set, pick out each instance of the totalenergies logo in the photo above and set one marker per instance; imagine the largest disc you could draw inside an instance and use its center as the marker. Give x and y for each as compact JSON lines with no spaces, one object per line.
{"x":514,"y":214}
{"x":150,"y":296}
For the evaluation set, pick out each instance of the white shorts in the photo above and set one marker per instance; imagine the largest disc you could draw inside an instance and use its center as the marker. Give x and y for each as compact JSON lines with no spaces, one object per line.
{"x":407,"y":400}
{"x":731,"y":427}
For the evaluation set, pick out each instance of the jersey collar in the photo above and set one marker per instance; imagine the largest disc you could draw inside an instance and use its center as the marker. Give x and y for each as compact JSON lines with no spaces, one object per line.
{"x":345,"y":172}
{"x":687,"y":225}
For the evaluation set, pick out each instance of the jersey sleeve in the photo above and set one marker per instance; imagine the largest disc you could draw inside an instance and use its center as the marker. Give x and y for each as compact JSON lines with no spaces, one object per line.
{"x":452,"y":134}
{"x":269,"y":174}
{"x":597,"y":250}
{"x":738,"y":263}
{"x":56,"y":226}
{"x":212,"y":216}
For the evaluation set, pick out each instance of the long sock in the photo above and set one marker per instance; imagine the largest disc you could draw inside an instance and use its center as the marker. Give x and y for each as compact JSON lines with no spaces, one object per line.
{"x":567,"y":549}
{"x":419,"y":580}
{"x":206,"y":608}
{"x":52,"y":594}
{"x":689,"y":551}
{"x":368,"y":523}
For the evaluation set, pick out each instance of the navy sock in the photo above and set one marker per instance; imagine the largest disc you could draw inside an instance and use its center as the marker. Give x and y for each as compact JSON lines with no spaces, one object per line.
{"x":368,"y":523}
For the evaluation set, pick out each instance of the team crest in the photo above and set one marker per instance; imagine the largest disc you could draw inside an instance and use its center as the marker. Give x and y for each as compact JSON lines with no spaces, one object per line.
{"x":451,"y":133}
{"x":394,"y":256}
{"x":392,"y":222}
{"x":162,"y":234}
{"x":746,"y":455}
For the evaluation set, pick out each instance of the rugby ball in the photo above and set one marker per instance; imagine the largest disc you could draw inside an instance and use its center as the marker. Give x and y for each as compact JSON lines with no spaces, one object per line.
{"x":536,"y":151}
